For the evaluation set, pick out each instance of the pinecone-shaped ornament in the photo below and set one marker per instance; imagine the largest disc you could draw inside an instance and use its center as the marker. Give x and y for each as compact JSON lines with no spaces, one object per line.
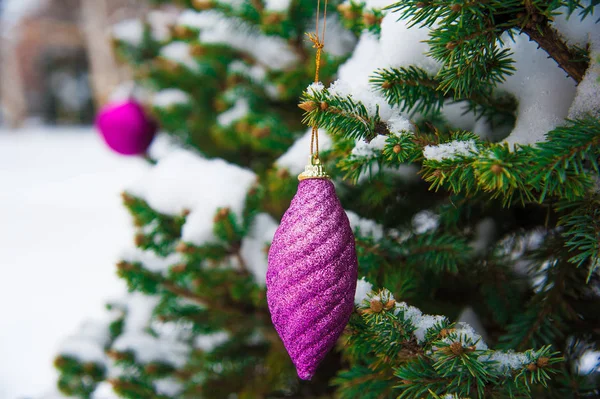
{"x":311,"y":279}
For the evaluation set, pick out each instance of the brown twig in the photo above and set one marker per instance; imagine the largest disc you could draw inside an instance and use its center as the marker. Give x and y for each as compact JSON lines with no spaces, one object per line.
{"x":566,"y":57}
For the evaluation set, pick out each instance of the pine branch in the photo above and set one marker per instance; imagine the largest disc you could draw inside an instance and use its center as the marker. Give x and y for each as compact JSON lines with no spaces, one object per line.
{"x":409,"y":88}
{"x":569,"y":59}
{"x":341,"y":116}
{"x":438,"y":357}
{"x":582,"y":231}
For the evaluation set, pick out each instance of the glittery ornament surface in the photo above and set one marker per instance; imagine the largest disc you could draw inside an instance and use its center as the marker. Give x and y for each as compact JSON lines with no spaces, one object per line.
{"x":311,"y":277}
{"x":126,"y":128}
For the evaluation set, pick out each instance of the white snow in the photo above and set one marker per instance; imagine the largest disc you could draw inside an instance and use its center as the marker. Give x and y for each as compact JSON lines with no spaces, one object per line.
{"x":573,"y":29}
{"x":104,"y":390}
{"x":168,"y":386}
{"x":411,"y":313}
{"x":507,"y":361}
{"x":366,"y":227}
{"x":240,"y":109}
{"x":62,"y":223}
{"x":272,"y":52}
{"x":484,"y":234}
{"x":258,"y":73}
{"x":170,"y":97}
{"x":165,"y":346}
{"x":277,"y":5}
{"x":87,"y":345}
{"x":298,"y":155}
{"x":139,"y":308}
{"x":160,"y":22}
{"x":371,"y":149}
{"x":424,"y":323}
{"x":208,"y":342}
{"x":468,"y":316}
{"x":469,"y":336}
{"x":363,"y":288}
{"x":130,"y":31}
{"x":185,"y":180}
{"x":450,"y":150}
{"x":179,"y":52}
{"x":315,"y":87}
{"x":587,"y":96}
{"x":339,"y":41}
{"x":56,"y":394}
{"x":589,"y":362}
{"x":543,"y":91}
{"x":372,"y":53}
{"x":460,"y":118}
{"x":83,"y":350}
{"x":150,"y":260}
{"x":386,"y":51}
{"x":147,"y":348}
{"x":254,"y":244}
{"x":129,"y":90}
{"x":425,"y":221}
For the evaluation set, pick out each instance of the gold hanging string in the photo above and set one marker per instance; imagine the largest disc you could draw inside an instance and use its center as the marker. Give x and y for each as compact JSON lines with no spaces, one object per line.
{"x":318,"y":44}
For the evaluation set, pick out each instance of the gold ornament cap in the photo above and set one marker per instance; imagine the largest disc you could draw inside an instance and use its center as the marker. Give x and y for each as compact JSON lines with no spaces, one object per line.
{"x":314,"y":170}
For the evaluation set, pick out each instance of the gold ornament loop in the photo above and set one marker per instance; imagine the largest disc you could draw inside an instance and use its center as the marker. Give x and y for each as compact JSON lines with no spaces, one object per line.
{"x":313,"y":170}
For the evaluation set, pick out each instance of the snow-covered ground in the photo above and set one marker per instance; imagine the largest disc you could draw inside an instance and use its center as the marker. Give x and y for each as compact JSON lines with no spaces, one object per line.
{"x":62,"y":227}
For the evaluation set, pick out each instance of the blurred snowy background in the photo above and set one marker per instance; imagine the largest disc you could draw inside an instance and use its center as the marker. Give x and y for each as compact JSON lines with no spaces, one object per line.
{"x":61,"y":219}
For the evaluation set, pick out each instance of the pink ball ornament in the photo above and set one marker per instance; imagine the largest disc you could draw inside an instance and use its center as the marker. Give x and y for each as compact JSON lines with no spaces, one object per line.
{"x":126,"y":128}
{"x":311,"y":279}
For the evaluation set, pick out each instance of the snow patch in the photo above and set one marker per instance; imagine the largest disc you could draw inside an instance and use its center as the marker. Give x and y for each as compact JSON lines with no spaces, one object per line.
{"x":208,"y":342}
{"x":363,"y":289}
{"x":366,"y":227}
{"x":240,"y":109}
{"x":168,"y":386}
{"x":87,"y":345}
{"x":139,"y":308}
{"x":575,"y":30}
{"x":543,"y":91}
{"x":370,"y":149}
{"x":160,"y":22}
{"x":151,"y":261}
{"x":587,"y":96}
{"x":185,"y":180}
{"x":507,"y":361}
{"x":424,"y":323}
{"x":180,"y":53}
{"x":104,"y":390}
{"x":298,"y":155}
{"x":277,"y":5}
{"x":425,"y":221}
{"x":170,"y":97}
{"x":130,"y":31}
{"x":148,"y":349}
{"x":450,"y":150}
{"x":271,"y":51}
{"x":340,"y":41}
{"x":253,"y":245}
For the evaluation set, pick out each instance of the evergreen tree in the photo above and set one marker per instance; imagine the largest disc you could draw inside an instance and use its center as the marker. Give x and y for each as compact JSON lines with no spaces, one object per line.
{"x":463,"y":137}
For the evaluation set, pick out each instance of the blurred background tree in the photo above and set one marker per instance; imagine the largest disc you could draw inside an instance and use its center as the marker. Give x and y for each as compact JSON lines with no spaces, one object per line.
{"x":467,"y":160}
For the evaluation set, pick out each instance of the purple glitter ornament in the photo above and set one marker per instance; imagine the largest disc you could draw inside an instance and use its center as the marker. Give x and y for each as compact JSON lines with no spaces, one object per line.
{"x":311,"y":279}
{"x":126,"y":128}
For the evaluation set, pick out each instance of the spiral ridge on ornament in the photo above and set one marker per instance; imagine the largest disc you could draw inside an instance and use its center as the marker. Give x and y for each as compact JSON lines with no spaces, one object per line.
{"x":312,"y":274}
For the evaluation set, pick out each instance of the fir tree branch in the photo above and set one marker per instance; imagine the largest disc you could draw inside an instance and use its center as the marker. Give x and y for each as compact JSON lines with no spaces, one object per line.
{"x":445,"y":359}
{"x":569,"y":59}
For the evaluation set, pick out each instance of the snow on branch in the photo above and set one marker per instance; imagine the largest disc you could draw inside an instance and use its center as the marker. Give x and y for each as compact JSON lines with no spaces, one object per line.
{"x":184,"y":181}
{"x":271,"y":51}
